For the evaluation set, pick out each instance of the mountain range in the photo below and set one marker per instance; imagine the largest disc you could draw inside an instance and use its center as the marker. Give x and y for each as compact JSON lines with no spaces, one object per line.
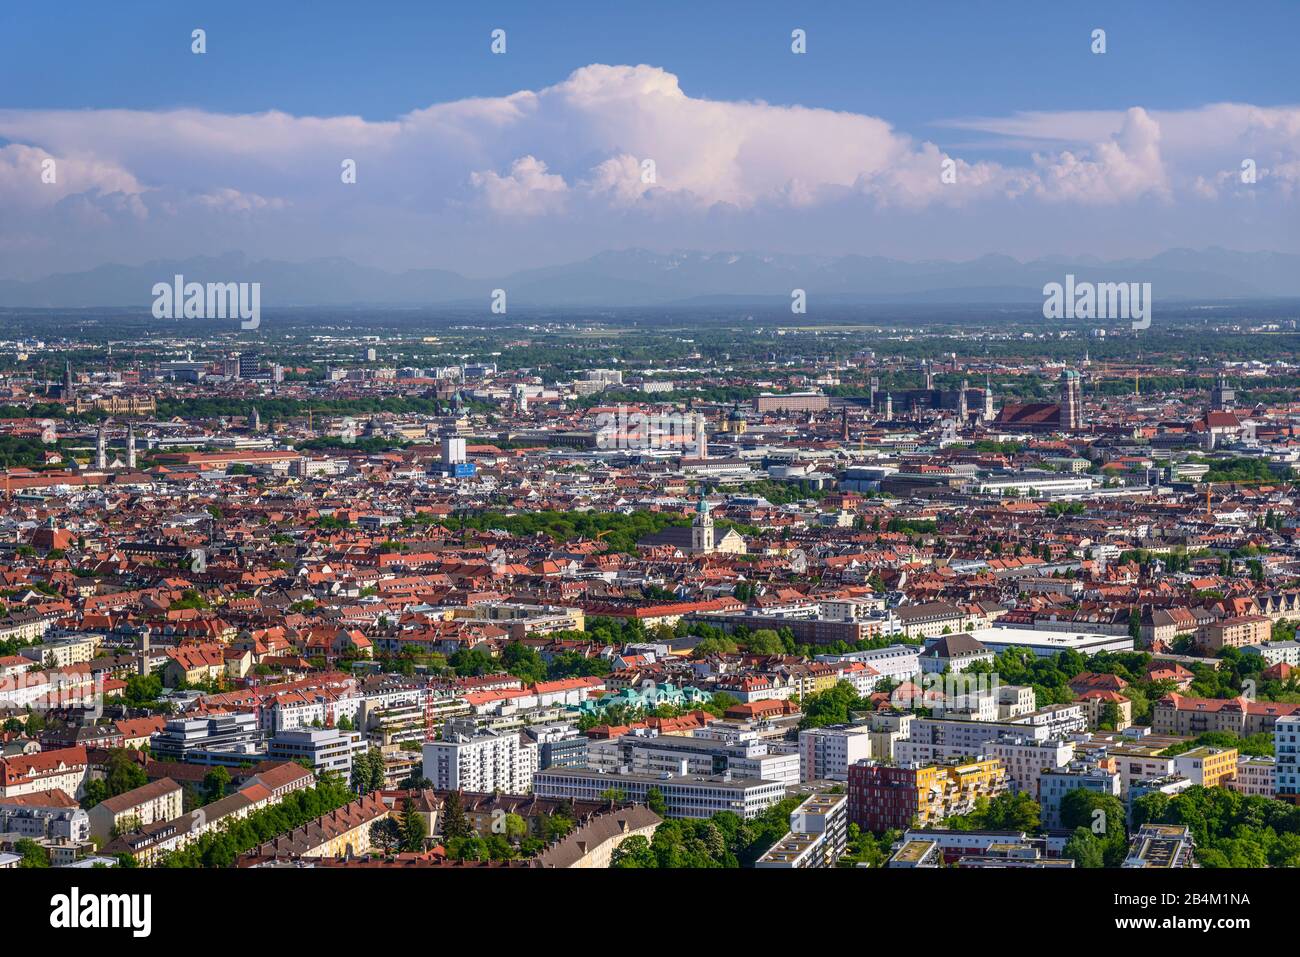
{"x":638,"y":277}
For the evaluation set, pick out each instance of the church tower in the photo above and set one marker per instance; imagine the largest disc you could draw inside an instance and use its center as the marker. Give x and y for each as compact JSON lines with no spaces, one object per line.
{"x":1071,"y":402}
{"x":1223,"y":395}
{"x":702,"y":529}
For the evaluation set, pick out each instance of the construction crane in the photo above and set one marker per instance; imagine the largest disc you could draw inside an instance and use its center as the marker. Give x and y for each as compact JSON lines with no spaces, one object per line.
{"x":1209,"y":489}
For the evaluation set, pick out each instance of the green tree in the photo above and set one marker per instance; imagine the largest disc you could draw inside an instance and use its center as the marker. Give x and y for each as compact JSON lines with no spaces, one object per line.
{"x":516,"y":828}
{"x":1085,"y":849}
{"x":413,"y":828}
{"x":95,"y":792}
{"x":1006,"y":812}
{"x":523,"y":662}
{"x":764,"y":641}
{"x":1102,"y":815}
{"x":455,"y":824}
{"x":32,"y":854}
{"x":124,"y":772}
{"x":386,"y":834}
{"x":558,"y":826}
{"x":654,"y":800}
{"x":216,"y":783}
{"x":634,"y":852}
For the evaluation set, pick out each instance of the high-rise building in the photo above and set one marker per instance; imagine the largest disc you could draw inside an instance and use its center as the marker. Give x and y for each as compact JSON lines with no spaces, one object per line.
{"x":1286,"y":751}
{"x":453,"y":450}
{"x":827,"y":753}
{"x":467,"y":759}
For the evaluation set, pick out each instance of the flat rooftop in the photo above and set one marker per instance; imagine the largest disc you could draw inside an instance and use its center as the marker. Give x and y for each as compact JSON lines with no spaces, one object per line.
{"x":1042,"y":638}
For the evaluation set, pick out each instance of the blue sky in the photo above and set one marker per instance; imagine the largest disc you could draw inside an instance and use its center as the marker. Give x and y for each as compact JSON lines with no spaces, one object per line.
{"x":1010,"y":91}
{"x":382,"y":59}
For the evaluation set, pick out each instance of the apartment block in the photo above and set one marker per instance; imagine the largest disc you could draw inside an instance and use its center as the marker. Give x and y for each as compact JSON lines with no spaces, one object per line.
{"x":1286,"y":754}
{"x":1055,"y":785}
{"x":825,"y":754}
{"x":694,"y":796}
{"x":1255,"y":775}
{"x":883,"y":796}
{"x":470,"y":760}
{"x":1026,"y":760}
{"x":1208,"y":767}
{"x":64,"y":769}
{"x":326,"y":749}
{"x":156,"y":801}
{"x":1161,"y":846}
{"x":817,"y":836}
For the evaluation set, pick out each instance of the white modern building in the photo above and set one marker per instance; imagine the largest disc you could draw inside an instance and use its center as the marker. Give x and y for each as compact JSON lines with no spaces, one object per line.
{"x":1276,"y":652}
{"x":1254,"y":775}
{"x":1034,"y":484}
{"x":897,"y":662}
{"x":826,"y":753}
{"x":1026,"y":760}
{"x":326,"y":749}
{"x":1046,"y":643}
{"x":1055,"y":785}
{"x":680,"y":754}
{"x":694,"y":796}
{"x":1286,"y":754}
{"x":470,"y":760}
{"x":817,"y":836}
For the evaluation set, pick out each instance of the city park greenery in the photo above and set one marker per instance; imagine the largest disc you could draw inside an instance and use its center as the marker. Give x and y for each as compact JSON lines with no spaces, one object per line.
{"x":724,"y":840}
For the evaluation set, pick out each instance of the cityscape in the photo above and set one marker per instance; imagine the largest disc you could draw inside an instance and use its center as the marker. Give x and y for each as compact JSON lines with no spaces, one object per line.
{"x":609,"y":500}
